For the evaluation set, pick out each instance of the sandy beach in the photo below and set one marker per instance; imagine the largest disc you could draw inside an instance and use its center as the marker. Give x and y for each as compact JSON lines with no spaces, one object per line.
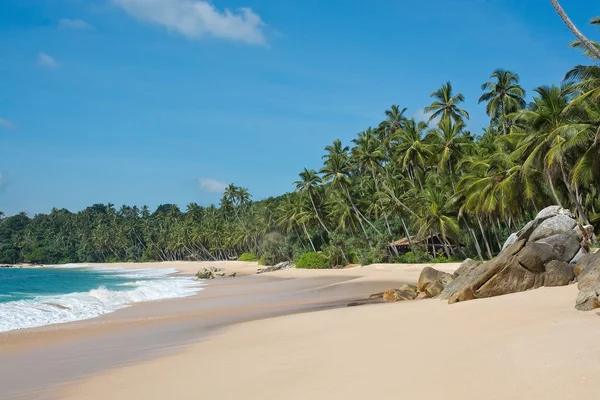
{"x":253,"y":337}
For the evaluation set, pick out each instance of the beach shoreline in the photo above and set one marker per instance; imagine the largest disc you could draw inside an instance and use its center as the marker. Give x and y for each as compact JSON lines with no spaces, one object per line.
{"x":168,"y":324}
{"x":288,"y":334}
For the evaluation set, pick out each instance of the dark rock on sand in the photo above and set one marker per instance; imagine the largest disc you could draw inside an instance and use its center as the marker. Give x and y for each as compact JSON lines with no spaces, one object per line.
{"x":405,"y":292}
{"x":277,"y":267}
{"x":207,"y":273}
{"x":538,"y":255}
{"x":588,"y":283}
{"x":432,"y":282}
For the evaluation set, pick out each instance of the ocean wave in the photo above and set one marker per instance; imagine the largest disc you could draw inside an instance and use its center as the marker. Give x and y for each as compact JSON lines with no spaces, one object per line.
{"x":46,"y":310}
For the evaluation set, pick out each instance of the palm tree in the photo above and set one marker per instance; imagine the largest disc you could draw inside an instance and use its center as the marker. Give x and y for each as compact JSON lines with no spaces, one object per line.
{"x":411,"y":150}
{"x":394,"y":119}
{"x":337,"y":170}
{"x":449,"y":143}
{"x":435,"y":217}
{"x":592,"y":47}
{"x":369,"y":155}
{"x":550,"y":125}
{"x":446,"y":104}
{"x":503,"y":96}
{"x":309,"y":183}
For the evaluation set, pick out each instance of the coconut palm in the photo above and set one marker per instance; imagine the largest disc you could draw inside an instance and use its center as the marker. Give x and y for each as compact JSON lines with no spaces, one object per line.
{"x":411,"y":151}
{"x":503,"y":95}
{"x":309,"y":183}
{"x":445,"y":105}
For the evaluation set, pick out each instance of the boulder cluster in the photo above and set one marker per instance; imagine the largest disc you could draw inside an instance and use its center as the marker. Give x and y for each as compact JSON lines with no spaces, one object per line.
{"x":551,"y":250}
{"x":212,"y":273}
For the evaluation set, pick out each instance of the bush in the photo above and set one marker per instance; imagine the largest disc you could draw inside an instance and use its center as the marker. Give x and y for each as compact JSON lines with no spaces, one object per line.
{"x":262,"y":260}
{"x":274,"y":249}
{"x":442,"y":259}
{"x":313,"y":261}
{"x":413,"y":258}
{"x":248,"y":257}
{"x":146,"y":256}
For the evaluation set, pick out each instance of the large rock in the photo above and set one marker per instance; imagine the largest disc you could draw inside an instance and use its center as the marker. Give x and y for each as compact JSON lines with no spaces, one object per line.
{"x":588,"y":283}
{"x":538,"y":255}
{"x":553,"y":211}
{"x":466,"y":266}
{"x":552,"y":226}
{"x":558,"y":273}
{"x":535,"y":256}
{"x":405,"y":292}
{"x":207,"y":273}
{"x":565,"y":245}
{"x":432,"y":282}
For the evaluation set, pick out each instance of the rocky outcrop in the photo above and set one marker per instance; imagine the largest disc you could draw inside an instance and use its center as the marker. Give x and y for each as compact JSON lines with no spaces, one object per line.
{"x":466,"y":266}
{"x":432,"y":282}
{"x":588,"y":270}
{"x":207,"y":273}
{"x":405,"y":292}
{"x":543,"y":253}
{"x":212,"y":273}
{"x":277,"y":267}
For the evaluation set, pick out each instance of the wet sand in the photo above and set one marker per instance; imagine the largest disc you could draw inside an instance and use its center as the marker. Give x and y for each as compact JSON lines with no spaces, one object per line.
{"x":36,"y":363}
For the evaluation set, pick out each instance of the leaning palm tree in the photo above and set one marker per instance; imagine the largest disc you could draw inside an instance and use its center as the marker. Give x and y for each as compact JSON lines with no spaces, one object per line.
{"x":309,"y":183}
{"x":337,"y":170}
{"x":503,"y":95}
{"x":586,"y":78}
{"x":445,"y":104}
{"x":591,"y":46}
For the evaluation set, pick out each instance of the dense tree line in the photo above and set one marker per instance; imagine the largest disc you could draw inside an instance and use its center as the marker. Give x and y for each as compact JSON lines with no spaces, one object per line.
{"x":401,"y":178}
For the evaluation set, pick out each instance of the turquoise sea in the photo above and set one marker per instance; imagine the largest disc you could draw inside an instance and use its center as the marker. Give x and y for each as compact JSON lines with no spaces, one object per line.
{"x":43,"y":296}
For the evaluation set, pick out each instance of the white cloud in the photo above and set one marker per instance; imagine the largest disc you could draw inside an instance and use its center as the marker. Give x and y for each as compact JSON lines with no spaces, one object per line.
{"x":66,"y":23}
{"x":211,"y":185}
{"x":198,"y":18}
{"x":46,"y":61}
{"x":421,"y":115}
{"x":7,"y":123}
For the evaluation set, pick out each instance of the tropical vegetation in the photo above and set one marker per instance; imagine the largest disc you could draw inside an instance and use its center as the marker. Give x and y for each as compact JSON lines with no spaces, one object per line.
{"x":399,"y":178}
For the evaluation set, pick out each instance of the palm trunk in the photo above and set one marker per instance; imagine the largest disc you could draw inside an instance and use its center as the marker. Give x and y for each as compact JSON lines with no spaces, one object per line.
{"x":554,"y":194}
{"x":397,"y":200}
{"x":487,"y":244}
{"x":387,"y":223}
{"x":445,"y":244}
{"x":563,"y":15}
{"x":410,"y":242}
{"x":360,"y":215}
{"x":582,"y":215}
{"x":308,"y":237}
{"x":477,"y":247}
{"x":317,"y":213}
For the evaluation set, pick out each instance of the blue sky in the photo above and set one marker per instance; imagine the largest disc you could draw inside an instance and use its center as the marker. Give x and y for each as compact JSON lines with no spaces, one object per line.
{"x":165,"y":101}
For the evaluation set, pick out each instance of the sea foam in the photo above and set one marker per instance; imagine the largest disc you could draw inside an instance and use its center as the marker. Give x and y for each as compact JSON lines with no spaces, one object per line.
{"x":45,"y":310}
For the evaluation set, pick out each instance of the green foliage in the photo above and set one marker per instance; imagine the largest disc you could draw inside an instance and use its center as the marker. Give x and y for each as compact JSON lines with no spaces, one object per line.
{"x":274,"y":249}
{"x":146,"y":257}
{"x":443,"y":259}
{"x":416,"y":257}
{"x":401,"y":178}
{"x":248,"y":257}
{"x":313,"y":260}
